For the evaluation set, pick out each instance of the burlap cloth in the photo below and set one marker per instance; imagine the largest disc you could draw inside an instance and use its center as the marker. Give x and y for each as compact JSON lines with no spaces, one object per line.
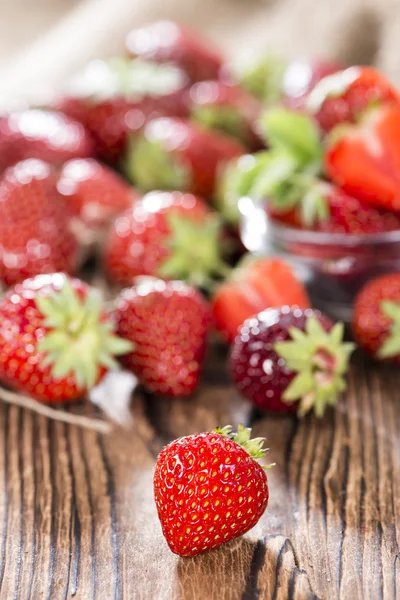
{"x":356,"y":31}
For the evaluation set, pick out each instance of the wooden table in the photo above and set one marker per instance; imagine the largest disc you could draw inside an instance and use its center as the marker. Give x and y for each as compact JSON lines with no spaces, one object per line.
{"x":77,"y":515}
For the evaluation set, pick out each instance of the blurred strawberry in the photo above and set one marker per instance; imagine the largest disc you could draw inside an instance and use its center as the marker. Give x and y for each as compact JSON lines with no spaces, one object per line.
{"x":166,"y":234}
{"x":364,"y":159}
{"x":300,"y":78}
{"x":376,"y":317}
{"x":318,"y":205}
{"x":342,"y":97}
{"x":35,"y":234}
{"x":95,"y":193}
{"x":173,"y":154}
{"x":167,"y":323}
{"x":56,"y":338}
{"x":166,"y":41}
{"x":47,"y":135}
{"x":227,"y":108}
{"x":255,"y":285}
{"x":114,"y":98}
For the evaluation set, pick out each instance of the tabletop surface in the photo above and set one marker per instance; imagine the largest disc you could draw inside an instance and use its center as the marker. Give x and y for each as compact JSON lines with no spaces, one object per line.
{"x":77,"y":516}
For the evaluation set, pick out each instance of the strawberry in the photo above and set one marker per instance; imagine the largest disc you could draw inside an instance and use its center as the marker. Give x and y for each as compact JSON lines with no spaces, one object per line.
{"x":320,"y":206}
{"x":166,"y":41}
{"x":167,"y":322}
{"x":176,"y":154}
{"x":209,"y":489}
{"x":376,"y":317}
{"x":165,"y":234}
{"x":114,"y":98}
{"x":254,"y":285}
{"x":300,"y":78}
{"x":227,"y":108}
{"x":35,"y":234}
{"x":290,"y":360}
{"x":342,"y":97}
{"x":95,"y":194}
{"x":364,"y":159}
{"x":46,"y":135}
{"x":56,"y":339}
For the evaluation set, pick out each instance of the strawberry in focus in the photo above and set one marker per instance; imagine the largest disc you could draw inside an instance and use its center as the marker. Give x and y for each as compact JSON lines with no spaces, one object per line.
{"x":167,"y":323}
{"x":114,"y":99}
{"x":290,"y":360}
{"x":95,"y":193}
{"x":254,"y":285}
{"x":226,"y":108}
{"x":35,"y":235}
{"x":166,"y":41}
{"x":364,"y":159}
{"x":343,"y":97}
{"x":209,"y":489}
{"x":174,"y":154}
{"x":56,"y":338}
{"x":171,"y":235}
{"x":376,"y":317}
{"x":46,"y":135}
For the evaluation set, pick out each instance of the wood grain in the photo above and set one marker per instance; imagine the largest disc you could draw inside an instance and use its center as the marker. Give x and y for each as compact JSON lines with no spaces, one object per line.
{"x":77,"y":516}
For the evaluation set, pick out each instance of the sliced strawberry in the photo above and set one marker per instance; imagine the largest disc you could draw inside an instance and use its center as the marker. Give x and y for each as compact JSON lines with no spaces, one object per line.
{"x":257,"y":284}
{"x":364,"y":159}
{"x":342,"y":97}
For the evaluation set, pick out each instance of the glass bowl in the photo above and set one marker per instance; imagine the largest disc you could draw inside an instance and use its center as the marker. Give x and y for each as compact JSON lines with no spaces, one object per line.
{"x":333,"y":266}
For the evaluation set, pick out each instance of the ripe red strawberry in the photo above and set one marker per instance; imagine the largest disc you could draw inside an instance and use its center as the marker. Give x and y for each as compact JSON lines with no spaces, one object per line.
{"x":173,"y":154}
{"x":166,"y":234}
{"x":114,"y":99}
{"x":46,"y":135}
{"x":166,"y":41}
{"x":300,"y":78}
{"x":364,"y":159}
{"x":376,"y":317}
{"x":209,"y":489}
{"x":35,"y":234}
{"x":321,"y":206}
{"x":290,"y":360}
{"x":95,"y":193}
{"x":342,"y":97}
{"x":167,"y":322}
{"x":56,"y":338}
{"x":253,"y":286}
{"x":227,"y":108}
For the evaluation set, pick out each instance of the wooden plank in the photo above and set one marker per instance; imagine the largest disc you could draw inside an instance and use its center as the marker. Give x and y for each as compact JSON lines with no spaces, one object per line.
{"x":77,"y":515}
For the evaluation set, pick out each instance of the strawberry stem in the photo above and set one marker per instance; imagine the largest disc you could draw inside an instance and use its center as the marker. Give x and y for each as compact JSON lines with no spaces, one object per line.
{"x":51,"y":413}
{"x":254,"y":447}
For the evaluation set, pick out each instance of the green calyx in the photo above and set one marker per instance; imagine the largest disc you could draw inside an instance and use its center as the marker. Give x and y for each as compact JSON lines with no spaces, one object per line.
{"x":294,"y":132}
{"x":321,"y":360}
{"x":79,"y":341}
{"x":151,"y":167}
{"x":254,"y":447}
{"x":264,"y":78}
{"x":222,"y":118}
{"x":391,"y":346}
{"x":195,"y":251}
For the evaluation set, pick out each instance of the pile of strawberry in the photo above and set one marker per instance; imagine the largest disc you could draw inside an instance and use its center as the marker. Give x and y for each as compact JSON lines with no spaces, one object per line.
{"x":142,"y":164}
